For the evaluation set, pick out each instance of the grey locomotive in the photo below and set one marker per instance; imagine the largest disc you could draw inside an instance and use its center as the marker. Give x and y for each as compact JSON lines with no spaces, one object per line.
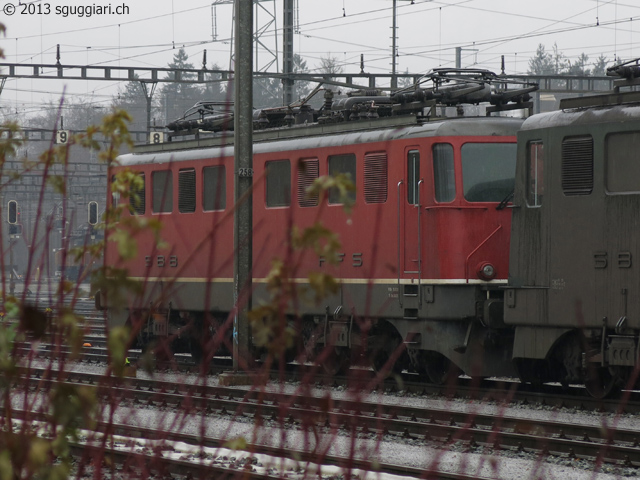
{"x":574,"y":269}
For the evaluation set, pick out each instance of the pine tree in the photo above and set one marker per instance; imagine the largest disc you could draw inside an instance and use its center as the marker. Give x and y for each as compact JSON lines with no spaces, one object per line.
{"x":600,"y":66}
{"x":177,"y":98}
{"x":267,"y":92}
{"x":216,"y":89}
{"x":542,"y":63}
{"x":133,"y":99}
{"x":579,"y":67}
{"x":301,"y":88}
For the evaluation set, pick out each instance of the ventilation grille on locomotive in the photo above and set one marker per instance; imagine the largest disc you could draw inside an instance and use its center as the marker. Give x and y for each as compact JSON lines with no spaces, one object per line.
{"x":308,"y":171}
{"x":577,"y":166}
{"x":375,"y":177}
{"x":187,"y":191}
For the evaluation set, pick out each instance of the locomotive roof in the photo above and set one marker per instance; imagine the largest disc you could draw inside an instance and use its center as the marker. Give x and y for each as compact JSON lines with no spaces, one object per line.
{"x":611,"y":113}
{"x":317,"y":136}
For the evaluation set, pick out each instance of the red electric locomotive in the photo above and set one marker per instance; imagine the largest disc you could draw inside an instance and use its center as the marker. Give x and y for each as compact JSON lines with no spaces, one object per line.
{"x":424,"y":247}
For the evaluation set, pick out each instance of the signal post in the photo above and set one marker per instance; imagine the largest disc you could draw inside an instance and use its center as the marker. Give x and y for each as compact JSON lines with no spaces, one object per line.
{"x":12,"y":220}
{"x":243,"y":169}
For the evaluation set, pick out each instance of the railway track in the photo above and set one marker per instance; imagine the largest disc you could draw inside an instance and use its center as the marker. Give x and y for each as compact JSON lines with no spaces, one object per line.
{"x":439,"y":428}
{"x":251,"y":467}
{"x":499,"y":390}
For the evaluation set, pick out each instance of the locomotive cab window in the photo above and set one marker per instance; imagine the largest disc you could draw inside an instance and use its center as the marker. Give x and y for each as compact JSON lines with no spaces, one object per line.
{"x":443,"y":173}
{"x":535,"y":170}
{"x":137,"y":202}
{"x":488,"y":171}
{"x":623,"y":167}
{"x":187,"y":191}
{"x":162,"y":191}
{"x":345,"y":165}
{"x":278,"y":181}
{"x":214,"y":188}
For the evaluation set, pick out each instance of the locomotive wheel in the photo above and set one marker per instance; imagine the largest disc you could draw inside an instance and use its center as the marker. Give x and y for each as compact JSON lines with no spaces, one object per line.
{"x":309,"y":337}
{"x":334,"y":360}
{"x":441,"y":370}
{"x":383,"y":348}
{"x":532,"y":371}
{"x":197,"y":352}
{"x":601,"y":382}
{"x":199,"y":337}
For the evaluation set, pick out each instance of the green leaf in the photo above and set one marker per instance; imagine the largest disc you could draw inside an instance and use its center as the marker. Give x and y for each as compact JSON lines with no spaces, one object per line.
{"x":6,"y":466}
{"x":239,"y":443}
{"x":118,"y":342}
{"x":39,"y":452}
{"x":127,"y":245}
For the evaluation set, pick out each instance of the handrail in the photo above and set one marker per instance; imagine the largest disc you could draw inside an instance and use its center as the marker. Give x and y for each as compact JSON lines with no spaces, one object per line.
{"x":456,"y":207}
{"x":466,"y":263}
{"x":398,"y":242}
{"x":418,"y":206}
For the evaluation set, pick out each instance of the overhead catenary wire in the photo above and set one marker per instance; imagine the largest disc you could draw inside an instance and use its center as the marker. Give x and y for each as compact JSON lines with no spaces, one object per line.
{"x":376,"y":57}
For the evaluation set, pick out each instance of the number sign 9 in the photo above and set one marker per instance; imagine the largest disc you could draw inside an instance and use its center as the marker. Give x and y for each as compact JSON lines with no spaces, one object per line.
{"x":62,"y":136}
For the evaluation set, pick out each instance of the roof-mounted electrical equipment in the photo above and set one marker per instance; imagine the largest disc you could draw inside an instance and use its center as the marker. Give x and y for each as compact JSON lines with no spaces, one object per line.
{"x":441,"y":87}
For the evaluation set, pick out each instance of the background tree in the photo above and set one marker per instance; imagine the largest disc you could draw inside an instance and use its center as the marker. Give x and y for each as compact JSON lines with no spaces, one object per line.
{"x":71,"y":115}
{"x":177,"y":98}
{"x":600,"y":66}
{"x":405,"y":82}
{"x":217,"y":88}
{"x":267,"y":92}
{"x":560,"y":62}
{"x":329,"y":65}
{"x":301,"y":88}
{"x":555,"y":63}
{"x":579,"y":67}
{"x":542,"y":63}
{"x":131,"y":98}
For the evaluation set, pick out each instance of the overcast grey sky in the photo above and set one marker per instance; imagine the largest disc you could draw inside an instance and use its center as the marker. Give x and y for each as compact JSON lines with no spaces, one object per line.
{"x":148,"y":32}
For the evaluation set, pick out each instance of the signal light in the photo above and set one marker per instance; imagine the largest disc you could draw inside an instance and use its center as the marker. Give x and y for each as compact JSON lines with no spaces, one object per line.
{"x":12,"y":216}
{"x":93,"y":213}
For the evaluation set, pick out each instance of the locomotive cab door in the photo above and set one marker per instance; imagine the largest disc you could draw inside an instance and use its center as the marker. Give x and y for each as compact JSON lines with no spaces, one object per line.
{"x":410,"y":190}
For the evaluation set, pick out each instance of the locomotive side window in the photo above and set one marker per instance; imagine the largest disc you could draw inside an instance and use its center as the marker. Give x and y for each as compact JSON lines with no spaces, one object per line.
{"x":375,"y":177}
{"x":413,"y":177}
{"x":278,"y":183}
{"x":535,"y":170}
{"x":187,"y":191}
{"x":346,"y":165}
{"x":214,"y":191}
{"x":623,"y":172}
{"x":443,"y":172}
{"x":308,"y":171}
{"x":488,"y":171}
{"x":137,"y":197}
{"x":577,"y":165}
{"x":162,"y":191}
